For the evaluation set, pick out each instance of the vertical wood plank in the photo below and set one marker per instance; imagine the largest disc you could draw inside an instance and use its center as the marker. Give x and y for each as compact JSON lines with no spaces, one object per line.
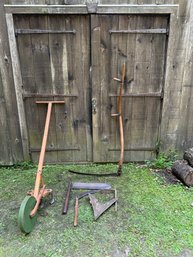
{"x":43,"y":81}
{"x":72,"y":118}
{"x":86,"y":50}
{"x":115,"y":72}
{"x":18,"y":85}
{"x":59,"y":74}
{"x":122,"y":58}
{"x":168,"y":138}
{"x":96,"y":78}
{"x":130,"y":85}
{"x":158,"y":64}
{"x":184,"y":119}
{"x":14,"y":137}
{"x":81,"y":73}
{"x":141,"y":78}
{"x":26,"y":58}
{"x":105,"y":83}
{"x":5,"y":149}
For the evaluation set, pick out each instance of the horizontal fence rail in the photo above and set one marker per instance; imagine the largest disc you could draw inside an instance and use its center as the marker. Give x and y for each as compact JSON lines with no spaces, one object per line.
{"x":140,"y":31}
{"x":43,"y":31}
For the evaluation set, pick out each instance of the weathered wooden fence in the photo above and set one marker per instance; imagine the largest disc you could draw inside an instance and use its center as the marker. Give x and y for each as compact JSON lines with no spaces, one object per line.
{"x":71,"y":50}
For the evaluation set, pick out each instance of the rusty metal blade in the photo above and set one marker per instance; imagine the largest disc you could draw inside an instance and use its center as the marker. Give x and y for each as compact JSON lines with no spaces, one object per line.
{"x":100,"y":208}
{"x":90,"y":186}
{"x":80,"y":196}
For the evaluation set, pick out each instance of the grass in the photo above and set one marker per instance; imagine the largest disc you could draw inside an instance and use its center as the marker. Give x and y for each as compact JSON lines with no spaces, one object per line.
{"x":163,"y":161}
{"x":154,"y":218}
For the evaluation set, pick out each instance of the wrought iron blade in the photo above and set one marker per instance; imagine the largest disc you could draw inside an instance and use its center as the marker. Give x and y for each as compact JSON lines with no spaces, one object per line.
{"x":100,"y":208}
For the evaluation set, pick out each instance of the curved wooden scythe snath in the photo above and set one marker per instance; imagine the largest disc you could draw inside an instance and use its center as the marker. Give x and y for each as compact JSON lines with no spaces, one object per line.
{"x":119,"y":114}
{"x":121,"y":133}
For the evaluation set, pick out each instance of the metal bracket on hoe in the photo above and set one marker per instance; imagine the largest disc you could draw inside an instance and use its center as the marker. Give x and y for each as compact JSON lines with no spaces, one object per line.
{"x":31,"y":203}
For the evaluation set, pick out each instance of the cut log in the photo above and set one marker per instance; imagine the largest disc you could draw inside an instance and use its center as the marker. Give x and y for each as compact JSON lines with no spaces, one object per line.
{"x":183,"y":172}
{"x":188,"y":155}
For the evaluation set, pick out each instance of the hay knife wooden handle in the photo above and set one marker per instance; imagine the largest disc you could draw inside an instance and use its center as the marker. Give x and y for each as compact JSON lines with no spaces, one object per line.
{"x":76,"y":213}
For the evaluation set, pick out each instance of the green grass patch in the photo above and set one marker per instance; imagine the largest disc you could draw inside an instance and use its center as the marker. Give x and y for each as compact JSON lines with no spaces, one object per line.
{"x":163,"y":161}
{"x":154,"y":218}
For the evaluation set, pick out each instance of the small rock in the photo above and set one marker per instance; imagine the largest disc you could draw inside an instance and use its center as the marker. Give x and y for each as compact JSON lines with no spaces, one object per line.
{"x":127,"y":251}
{"x":186,"y":253}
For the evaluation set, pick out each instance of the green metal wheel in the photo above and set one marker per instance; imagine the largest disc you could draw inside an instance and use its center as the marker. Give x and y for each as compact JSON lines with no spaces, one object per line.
{"x":26,"y":222}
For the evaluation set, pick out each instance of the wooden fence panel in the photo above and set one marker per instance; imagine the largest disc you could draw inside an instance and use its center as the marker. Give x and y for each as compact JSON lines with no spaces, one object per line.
{"x":10,"y":131}
{"x":5,"y":149}
{"x":56,"y":66}
{"x":113,"y":43}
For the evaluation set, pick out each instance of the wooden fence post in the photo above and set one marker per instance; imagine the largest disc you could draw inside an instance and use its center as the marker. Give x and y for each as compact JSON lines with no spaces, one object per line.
{"x":12,"y":137}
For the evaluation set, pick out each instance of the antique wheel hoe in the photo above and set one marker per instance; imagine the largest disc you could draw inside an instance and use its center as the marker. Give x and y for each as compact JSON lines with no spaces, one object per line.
{"x":29,"y":206}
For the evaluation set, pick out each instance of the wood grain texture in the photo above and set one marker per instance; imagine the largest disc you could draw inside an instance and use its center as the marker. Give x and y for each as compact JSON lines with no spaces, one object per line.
{"x":185,"y":128}
{"x":145,"y":70}
{"x":57,"y":64}
{"x":14,"y":147}
{"x":183,"y":172}
{"x":5,"y":149}
{"x":96,"y":94}
{"x":43,"y":83}
{"x":55,"y":2}
{"x":18,"y":85}
{"x":176,"y":124}
{"x":145,"y":59}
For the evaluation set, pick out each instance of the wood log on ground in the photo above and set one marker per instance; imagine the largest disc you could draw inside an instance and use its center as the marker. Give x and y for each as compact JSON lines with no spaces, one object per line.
{"x":188,"y":155}
{"x":183,"y":172}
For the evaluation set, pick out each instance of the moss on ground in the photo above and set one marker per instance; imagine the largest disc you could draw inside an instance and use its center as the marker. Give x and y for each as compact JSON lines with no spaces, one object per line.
{"x":154,"y":218}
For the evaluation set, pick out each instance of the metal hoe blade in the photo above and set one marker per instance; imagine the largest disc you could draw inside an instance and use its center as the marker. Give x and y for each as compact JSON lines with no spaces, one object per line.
{"x":99,"y":208}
